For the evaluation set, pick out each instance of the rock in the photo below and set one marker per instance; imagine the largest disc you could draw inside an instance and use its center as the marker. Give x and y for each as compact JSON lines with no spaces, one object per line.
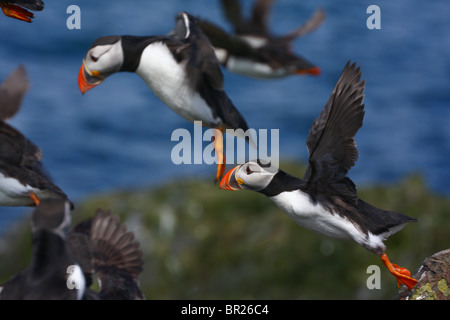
{"x":434,"y":279}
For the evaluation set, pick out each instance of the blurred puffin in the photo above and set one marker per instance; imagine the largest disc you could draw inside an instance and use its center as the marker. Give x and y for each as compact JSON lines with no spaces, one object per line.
{"x":180,"y":68}
{"x":23,"y":181}
{"x":107,"y":250}
{"x":53,"y":273}
{"x":326,"y":200}
{"x":16,"y":8}
{"x":252,"y":50}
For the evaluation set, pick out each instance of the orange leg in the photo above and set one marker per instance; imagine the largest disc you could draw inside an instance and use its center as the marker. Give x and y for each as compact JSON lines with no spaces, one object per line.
{"x":16,"y":12}
{"x":402,"y":274}
{"x":218,"y":146}
{"x":35,"y":199}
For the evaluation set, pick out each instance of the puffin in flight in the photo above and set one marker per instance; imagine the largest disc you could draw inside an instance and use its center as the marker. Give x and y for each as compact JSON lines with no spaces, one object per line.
{"x":326,"y":200}
{"x":23,"y":181}
{"x":180,"y":68}
{"x":64,"y":262}
{"x":17,"y":9}
{"x":253,"y":50}
{"x":52,"y":266}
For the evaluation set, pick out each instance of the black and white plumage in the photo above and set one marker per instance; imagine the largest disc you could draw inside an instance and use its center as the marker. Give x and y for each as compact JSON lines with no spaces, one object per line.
{"x":53,"y":273}
{"x":23,"y":181}
{"x":326,"y":200}
{"x":17,"y":8}
{"x":252,"y":50}
{"x":107,"y":250}
{"x":180,"y":68}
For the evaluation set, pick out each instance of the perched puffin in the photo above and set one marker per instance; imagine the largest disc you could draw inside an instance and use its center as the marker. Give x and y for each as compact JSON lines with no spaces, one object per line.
{"x":326,"y":200}
{"x":23,"y":181}
{"x":105,"y":248}
{"x":53,"y":273}
{"x":16,"y":8}
{"x":252,"y":50}
{"x":180,"y":68}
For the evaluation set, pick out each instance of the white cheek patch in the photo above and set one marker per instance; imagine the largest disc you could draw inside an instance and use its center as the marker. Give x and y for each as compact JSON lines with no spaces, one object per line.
{"x":108,"y":58}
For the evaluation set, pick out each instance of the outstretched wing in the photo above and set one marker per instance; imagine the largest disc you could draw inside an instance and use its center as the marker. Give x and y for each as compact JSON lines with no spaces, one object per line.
{"x":12,"y":91}
{"x":260,"y":16}
{"x":233,"y":13}
{"x":331,"y":145}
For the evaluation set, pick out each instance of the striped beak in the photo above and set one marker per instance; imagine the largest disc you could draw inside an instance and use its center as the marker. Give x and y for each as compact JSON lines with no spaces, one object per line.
{"x":88,"y":79}
{"x":230,"y":182}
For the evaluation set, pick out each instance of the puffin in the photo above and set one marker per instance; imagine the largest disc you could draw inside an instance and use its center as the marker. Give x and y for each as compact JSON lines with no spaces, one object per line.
{"x":17,"y":9}
{"x":252,"y":50}
{"x":325,"y":200}
{"x":180,"y":68}
{"x":23,"y":180}
{"x":53,"y":273}
{"x":107,"y":250}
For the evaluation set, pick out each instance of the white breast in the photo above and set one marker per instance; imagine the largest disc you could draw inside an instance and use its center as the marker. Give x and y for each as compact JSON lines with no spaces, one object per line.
{"x":13,"y":193}
{"x":167,"y":79}
{"x":251,"y":68}
{"x":299,"y":206}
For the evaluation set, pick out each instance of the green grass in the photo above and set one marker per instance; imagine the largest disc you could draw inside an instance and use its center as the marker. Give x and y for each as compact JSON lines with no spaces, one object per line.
{"x":203,"y":243}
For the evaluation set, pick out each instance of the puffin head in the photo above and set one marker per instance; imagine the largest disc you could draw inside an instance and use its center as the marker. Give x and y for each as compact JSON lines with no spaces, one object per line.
{"x":104,"y":57}
{"x":252,"y":175}
{"x":52,"y":215}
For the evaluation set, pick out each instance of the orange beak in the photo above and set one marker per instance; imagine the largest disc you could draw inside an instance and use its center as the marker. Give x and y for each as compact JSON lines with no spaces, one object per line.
{"x":16,"y":12}
{"x":88,"y":80}
{"x":229,"y":181}
{"x":313,"y":71}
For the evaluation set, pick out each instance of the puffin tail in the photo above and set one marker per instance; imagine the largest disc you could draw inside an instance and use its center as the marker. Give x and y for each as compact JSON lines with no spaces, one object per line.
{"x":383,"y":222}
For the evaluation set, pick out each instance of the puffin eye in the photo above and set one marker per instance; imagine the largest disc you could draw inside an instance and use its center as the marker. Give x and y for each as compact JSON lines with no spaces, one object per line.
{"x":93,"y":58}
{"x":248,"y":170}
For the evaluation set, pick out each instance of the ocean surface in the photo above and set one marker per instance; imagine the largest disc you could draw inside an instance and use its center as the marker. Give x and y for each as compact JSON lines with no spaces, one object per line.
{"x":118,"y":135}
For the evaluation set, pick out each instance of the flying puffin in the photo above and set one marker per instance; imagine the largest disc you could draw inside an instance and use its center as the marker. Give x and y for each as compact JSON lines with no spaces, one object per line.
{"x":17,"y":9}
{"x":53,"y":273}
{"x":180,"y":68}
{"x":105,"y":248}
{"x":252,"y":50}
{"x":23,"y":181}
{"x":326,"y":200}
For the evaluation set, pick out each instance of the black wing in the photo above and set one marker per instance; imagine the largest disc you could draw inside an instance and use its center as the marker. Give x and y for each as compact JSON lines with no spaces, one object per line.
{"x":12,"y":91}
{"x":257,"y":24}
{"x":116,"y":258}
{"x":16,"y":149}
{"x":331,"y":145}
{"x":221,"y":39}
{"x":204,"y":72}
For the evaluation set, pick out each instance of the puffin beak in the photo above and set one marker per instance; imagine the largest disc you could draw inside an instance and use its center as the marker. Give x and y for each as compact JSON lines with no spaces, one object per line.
{"x":88,"y":79}
{"x":313,"y":71}
{"x":229,"y":180}
{"x":16,"y":12}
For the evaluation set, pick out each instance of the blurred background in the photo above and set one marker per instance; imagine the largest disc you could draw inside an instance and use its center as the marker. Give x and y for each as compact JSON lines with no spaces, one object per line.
{"x":111,"y":147}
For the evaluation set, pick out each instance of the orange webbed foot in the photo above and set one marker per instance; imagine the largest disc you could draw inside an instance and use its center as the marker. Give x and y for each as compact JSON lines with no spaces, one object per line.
{"x":403,"y":275}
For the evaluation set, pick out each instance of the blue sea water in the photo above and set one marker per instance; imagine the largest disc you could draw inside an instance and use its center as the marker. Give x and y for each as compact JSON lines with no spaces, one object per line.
{"x":118,"y":136}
